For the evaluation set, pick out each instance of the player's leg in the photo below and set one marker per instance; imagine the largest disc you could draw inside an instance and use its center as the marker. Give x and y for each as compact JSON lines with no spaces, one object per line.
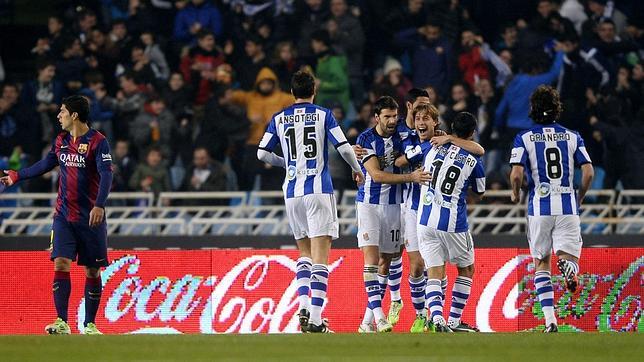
{"x":540,"y":241}
{"x":461,"y":253}
{"x":92,"y":254}
{"x":395,"y":274}
{"x":323,"y":227}
{"x":567,"y":244}
{"x":417,"y":279}
{"x":434,"y":257}
{"x":303,"y":280}
{"x":63,"y":252}
{"x":296,"y":215}
{"x":390,"y":248}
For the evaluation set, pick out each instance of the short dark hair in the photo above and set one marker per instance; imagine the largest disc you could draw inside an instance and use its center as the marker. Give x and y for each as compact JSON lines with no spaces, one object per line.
{"x":44,"y":63}
{"x":463,"y":124}
{"x":79,"y":105}
{"x":302,"y":84}
{"x":322,"y":36}
{"x":204,"y":33}
{"x":415,"y":93}
{"x":384,"y":102}
{"x":545,"y":106}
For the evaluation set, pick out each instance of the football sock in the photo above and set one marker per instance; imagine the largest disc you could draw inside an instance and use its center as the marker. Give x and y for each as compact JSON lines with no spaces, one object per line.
{"x":460,"y":294}
{"x":370,"y":276}
{"x":382,"y":282}
{"x":395,"y":277}
{"x":434,"y":298}
{"x":444,"y":288}
{"x":417,"y":289}
{"x":572,"y":266}
{"x":319,"y":279}
{"x":61,"y":287}
{"x":93,"y":289}
{"x":303,"y":275}
{"x":543,"y":285}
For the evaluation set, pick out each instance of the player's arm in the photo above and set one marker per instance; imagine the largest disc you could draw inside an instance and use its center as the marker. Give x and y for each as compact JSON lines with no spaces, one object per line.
{"x":267,"y":145}
{"x":469,"y":146}
{"x":587,"y":171}
{"x":41,"y":167}
{"x":372,"y":166}
{"x":517,"y":160}
{"x":339,"y":140}
{"x":105,"y":174}
{"x":477,"y":180}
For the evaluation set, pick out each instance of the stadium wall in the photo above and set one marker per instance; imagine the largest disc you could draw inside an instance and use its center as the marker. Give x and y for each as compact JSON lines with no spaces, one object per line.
{"x":254,"y":291}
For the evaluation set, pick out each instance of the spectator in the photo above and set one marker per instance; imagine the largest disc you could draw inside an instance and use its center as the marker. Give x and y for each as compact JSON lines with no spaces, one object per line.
{"x":310,"y":16}
{"x":394,"y":83}
{"x":611,"y":48}
{"x":156,"y":56}
{"x":574,"y":11}
{"x":127,"y":104}
{"x":106,"y":52}
{"x":431,"y":56}
{"x":119,"y":36}
{"x":143,"y":70}
{"x":153,"y":127}
{"x":123,"y":165}
{"x":199,"y":64}
{"x":44,"y":95}
{"x":99,"y":115}
{"x":261,"y":103}
{"x":331,"y":72}
{"x":471,"y":63}
{"x":513,"y":109}
{"x":600,"y":11}
{"x":410,"y":13}
{"x":151,"y":176}
{"x":361,"y":123}
{"x":460,"y":101}
{"x":197,"y":16}
{"x":509,"y":37}
{"x":177,"y":95}
{"x":347,"y":37}
{"x":71,"y":68}
{"x":86,"y":22}
{"x":249,"y":65}
{"x":52,"y":44}
{"x":205,"y":174}
{"x":284,"y":63}
{"x":541,"y":22}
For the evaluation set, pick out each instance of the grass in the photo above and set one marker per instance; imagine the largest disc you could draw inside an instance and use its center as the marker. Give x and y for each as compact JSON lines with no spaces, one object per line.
{"x":336,"y":347}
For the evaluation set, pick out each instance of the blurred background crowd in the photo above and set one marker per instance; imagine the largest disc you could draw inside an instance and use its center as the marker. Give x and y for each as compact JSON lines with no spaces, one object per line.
{"x":184,"y":89}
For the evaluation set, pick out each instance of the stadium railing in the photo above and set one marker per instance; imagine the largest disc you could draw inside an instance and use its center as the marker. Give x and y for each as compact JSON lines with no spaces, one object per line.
{"x":263,"y":213}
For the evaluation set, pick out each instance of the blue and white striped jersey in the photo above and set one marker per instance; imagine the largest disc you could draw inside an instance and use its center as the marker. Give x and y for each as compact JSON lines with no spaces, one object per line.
{"x":386,"y":150}
{"x":304,"y":131}
{"x":444,"y":201}
{"x":409,"y":139}
{"x":415,"y":154}
{"x":549,"y":154}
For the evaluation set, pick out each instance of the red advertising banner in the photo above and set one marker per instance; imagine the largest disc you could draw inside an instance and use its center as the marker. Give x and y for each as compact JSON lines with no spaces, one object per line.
{"x":254,"y":291}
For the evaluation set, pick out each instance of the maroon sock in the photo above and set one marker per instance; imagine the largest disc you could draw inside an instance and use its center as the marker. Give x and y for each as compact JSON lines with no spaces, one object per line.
{"x":93,"y":289}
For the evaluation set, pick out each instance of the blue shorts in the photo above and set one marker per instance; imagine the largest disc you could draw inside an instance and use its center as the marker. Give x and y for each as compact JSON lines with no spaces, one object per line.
{"x":69,"y":239}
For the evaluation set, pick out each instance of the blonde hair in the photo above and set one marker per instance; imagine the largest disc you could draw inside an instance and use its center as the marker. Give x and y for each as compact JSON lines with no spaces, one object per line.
{"x":426,"y":108}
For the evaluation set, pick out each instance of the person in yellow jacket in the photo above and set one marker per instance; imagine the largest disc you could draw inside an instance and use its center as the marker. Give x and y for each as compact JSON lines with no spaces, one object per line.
{"x":261,"y":103}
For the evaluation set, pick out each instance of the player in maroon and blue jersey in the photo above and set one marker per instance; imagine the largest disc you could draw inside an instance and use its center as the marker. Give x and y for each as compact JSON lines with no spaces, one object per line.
{"x":79,"y":227}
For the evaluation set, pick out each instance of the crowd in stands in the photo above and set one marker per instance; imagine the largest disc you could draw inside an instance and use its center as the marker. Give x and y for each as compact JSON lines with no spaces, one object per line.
{"x":183,"y":90}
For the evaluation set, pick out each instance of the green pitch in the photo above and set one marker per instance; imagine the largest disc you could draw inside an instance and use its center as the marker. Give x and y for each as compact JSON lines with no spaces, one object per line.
{"x":337,"y":347}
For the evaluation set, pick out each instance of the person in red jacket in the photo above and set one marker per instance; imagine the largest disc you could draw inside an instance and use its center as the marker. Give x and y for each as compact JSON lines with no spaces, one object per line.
{"x":199,"y":65}
{"x":470,"y":61}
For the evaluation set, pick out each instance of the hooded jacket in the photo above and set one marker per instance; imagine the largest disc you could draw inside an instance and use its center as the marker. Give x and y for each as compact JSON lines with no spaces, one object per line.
{"x":262,"y":107}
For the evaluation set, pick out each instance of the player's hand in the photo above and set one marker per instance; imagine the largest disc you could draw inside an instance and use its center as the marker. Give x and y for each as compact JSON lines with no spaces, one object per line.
{"x":96,"y":216}
{"x":515,"y":198}
{"x":10,"y":179}
{"x":359,"y":178}
{"x":440,"y":140}
{"x":420,"y":176}
{"x":359,"y":151}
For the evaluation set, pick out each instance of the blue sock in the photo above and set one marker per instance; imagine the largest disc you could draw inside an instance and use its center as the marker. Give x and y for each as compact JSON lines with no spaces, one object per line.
{"x":395,"y":278}
{"x":303,"y":276}
{"x":61,"y":287}
{"x":319,"y":281}
{"x":93,"y":289}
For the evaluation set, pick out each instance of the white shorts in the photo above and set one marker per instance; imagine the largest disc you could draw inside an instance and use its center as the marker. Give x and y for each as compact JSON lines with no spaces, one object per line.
{"x":437,"y":247}
{"x":560,"y":232}
{"x":313,"y":215}
{"x":379,"y":225}
{"x":410,"y":223}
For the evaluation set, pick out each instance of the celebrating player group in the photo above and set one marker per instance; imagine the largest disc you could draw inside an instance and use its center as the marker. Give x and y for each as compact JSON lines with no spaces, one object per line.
{"x":414,"y":185}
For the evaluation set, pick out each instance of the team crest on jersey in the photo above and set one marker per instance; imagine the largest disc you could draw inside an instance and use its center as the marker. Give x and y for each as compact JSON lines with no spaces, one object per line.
{"x":365,"y":236}
{"x":428,"y":197}
{"x":544,"y":189}
{"x":82,"y":148}
{"x":290,"y":172}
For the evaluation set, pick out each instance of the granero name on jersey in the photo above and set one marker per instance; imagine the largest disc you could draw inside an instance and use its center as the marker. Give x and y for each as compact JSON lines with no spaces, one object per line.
{"x":549,"y":137}
{"x":304,"y":117}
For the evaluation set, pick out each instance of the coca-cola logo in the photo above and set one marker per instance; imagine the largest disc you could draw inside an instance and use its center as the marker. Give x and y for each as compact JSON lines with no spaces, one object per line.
{"x":609,"y":302}
{"x":258,"y":294}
